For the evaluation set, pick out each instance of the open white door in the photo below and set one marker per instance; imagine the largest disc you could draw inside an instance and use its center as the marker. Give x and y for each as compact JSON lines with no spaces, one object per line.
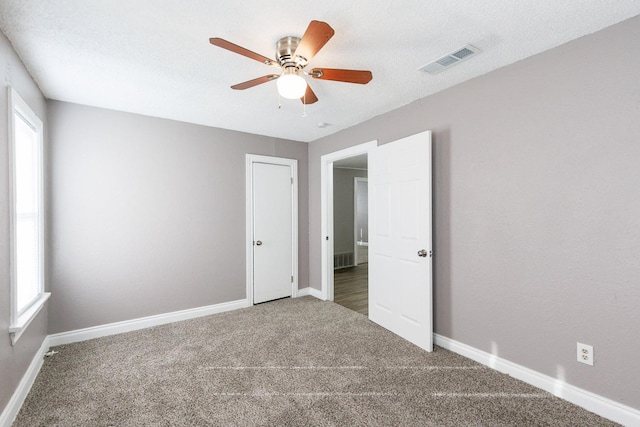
{"x":400,"y":296}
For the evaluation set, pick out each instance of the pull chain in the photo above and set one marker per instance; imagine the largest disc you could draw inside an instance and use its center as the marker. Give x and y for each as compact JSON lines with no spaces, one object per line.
{"x":304,"y":105}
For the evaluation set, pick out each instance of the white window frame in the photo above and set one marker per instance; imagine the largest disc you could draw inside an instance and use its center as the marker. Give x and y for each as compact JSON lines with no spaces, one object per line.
{"x":20,"y":320}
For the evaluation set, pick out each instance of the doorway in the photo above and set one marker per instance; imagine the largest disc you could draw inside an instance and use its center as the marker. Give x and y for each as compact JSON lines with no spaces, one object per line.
{"x":400,"y":244}
{"x":271,"y":228}
{"x":350,"y":233}
{"x":338,"y":172}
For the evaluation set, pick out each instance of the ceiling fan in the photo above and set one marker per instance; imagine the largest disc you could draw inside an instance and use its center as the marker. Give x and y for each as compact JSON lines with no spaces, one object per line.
{"x":292,"y":56}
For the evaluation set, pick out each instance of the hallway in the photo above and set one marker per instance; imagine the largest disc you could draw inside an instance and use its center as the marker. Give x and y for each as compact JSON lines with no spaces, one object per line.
{"x":351,"y":288}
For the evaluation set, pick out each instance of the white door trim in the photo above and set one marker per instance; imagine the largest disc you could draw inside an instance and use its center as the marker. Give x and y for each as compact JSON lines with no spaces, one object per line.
{"x":293,"y":164}
{"x":326,"y":210}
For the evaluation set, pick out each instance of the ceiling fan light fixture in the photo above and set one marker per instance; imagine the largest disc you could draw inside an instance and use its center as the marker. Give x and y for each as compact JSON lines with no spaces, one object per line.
{"x":291,"y":85}
{"x":292,"y":56}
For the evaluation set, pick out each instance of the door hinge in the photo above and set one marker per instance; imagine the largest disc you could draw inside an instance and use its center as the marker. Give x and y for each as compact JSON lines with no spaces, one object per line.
{"x":291,"y":279}
{"x":291,"y":180}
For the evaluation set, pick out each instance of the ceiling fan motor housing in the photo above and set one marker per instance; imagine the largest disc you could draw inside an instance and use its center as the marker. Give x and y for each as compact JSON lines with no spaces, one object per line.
{"x":285,"y":53}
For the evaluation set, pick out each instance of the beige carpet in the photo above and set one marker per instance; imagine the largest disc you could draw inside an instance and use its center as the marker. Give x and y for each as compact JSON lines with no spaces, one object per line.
{"x":293,"y":362}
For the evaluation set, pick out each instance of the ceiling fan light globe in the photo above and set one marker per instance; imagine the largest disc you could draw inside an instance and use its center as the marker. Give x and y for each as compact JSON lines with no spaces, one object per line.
{"x":291,"y":86}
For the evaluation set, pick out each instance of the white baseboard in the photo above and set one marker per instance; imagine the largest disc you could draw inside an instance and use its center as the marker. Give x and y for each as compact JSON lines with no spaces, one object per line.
{"x":142,"y":323}
{"x":15,"y":403}
{"x":311,"y":291}
{"x":597,"y":404}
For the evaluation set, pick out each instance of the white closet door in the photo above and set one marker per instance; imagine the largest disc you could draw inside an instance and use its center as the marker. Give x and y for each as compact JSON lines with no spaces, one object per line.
{"x":272,"y":232}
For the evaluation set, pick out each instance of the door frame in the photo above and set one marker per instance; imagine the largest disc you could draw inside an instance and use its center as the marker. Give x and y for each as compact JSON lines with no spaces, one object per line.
{"x":326,"y":210}
{"x":280,"y":161}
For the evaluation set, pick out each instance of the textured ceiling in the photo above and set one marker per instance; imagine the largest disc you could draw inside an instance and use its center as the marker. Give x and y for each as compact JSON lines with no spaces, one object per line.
{"x":153,"y":57}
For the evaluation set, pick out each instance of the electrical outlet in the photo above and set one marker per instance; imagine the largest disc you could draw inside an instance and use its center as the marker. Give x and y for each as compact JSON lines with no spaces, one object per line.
{"x":585,"y":354}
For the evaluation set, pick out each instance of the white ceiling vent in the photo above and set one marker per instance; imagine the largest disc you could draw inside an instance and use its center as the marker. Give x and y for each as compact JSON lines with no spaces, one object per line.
{"x":451,"y":59}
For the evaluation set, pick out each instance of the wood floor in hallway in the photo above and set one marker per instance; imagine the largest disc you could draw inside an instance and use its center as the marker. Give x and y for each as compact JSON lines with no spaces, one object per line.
{"x":351,"y":288}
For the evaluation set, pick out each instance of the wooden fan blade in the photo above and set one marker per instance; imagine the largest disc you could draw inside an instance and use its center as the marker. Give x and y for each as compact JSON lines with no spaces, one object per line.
{"x":217,"y":41}
{"x":255,"y":82}
{"x":317,"y":35}
{"x":309,"y":97}
{"x":350,"y":76}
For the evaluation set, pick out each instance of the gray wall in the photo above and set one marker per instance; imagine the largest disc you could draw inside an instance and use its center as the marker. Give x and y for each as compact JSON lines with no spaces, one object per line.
{"x":14,"y":360}
{"x":536,"y":204}
{"x":148,"y":215}
{"x":343,"y":208}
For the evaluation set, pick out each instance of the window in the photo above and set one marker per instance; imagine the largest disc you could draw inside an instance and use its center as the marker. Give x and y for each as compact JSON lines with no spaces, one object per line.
{"x":27,"y":215}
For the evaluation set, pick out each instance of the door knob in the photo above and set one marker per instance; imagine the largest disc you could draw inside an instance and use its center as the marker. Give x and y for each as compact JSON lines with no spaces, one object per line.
{"x":258,"y":242}
{"x":422,"y":253}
